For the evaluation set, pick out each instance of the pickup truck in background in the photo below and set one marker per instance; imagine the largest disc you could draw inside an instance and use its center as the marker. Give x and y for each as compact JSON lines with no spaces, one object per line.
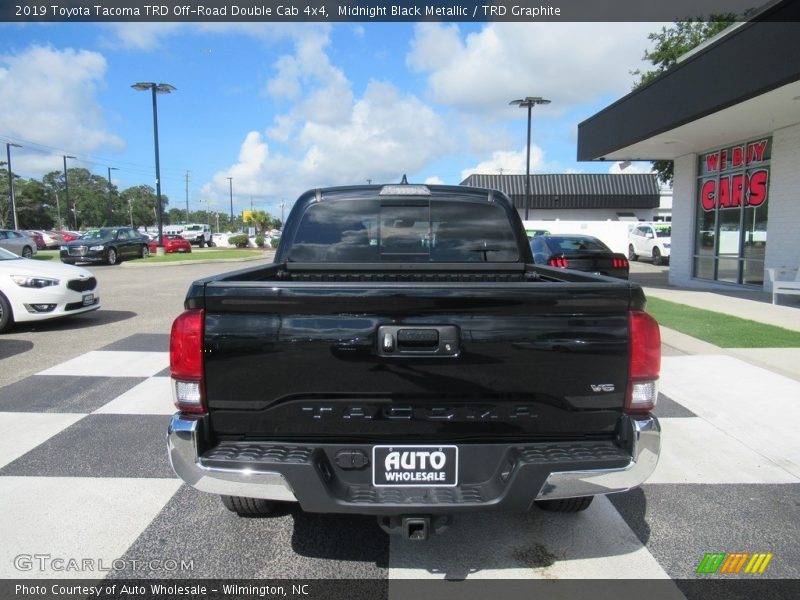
{"x":402,"y":357}
{"x":198,"y":233}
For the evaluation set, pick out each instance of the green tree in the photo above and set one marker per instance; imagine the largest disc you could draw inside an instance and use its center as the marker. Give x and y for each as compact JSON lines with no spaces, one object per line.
{"x":34,"y":209}
{"x":670,"y":44}
{"x":263,"y":220}
{"x":141,"y":202}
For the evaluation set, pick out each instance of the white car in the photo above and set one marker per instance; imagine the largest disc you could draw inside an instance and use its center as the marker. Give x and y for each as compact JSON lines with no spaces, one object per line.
{"x":33,"y":290}
{"x":652,"y":240}
{"x":198,"y":233}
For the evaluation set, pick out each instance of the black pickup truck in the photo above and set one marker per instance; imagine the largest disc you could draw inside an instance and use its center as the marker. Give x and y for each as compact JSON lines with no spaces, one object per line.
{"x":403,"y":357}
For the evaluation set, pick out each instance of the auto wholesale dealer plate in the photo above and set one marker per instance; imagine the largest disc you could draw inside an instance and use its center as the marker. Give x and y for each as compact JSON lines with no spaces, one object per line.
{"x":415,"y":466}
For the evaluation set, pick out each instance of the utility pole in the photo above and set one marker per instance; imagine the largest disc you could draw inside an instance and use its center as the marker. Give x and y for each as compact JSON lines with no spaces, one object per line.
{"x":109,"y":191}
{"x":12,"y":204}
{"x":230,"y":189}
{"x":282,"y":205}
{"x":187,"y":195}
{"x":66,"y":194}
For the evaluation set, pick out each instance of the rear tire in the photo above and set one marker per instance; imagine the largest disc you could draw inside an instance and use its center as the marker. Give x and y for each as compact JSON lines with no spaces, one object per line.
{"x":632,"y":256}
{"x":657,"y":261}
{"x":6,"y":316}
{"x":27,"y":252}
{"x":111,"y":257}
{"x":566,"y":505}
{"x":248,"y":507}
{"x":210,"y":244}
{"x":145,"y":252}
{"x":201,"y":243}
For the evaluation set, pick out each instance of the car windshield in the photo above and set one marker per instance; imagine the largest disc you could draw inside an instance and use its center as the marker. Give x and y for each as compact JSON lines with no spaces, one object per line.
{"x":99,"y":234}
{"x":575,"y":244}
{"x":663,"y":231}
{"x":6,"y":255}
{"x":194,"y":228}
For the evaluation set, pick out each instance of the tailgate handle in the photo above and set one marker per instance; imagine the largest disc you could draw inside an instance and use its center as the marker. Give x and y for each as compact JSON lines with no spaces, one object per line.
{"x":416,"y":338}
{"x":436,"y":340}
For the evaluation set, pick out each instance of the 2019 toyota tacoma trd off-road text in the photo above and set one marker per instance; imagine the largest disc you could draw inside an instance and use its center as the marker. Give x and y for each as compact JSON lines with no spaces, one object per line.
{"x":403,"y":357}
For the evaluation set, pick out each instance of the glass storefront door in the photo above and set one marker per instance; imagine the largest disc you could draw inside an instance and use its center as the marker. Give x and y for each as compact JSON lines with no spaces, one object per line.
{"x":731,"y":214}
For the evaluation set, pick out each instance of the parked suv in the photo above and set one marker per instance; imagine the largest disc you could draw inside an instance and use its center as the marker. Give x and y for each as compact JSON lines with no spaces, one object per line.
{"x":651,"y":240}
{"x":198,"y":233}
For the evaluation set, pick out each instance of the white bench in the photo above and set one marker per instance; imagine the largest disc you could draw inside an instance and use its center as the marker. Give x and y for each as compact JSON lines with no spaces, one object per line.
{"x":781,"y":284}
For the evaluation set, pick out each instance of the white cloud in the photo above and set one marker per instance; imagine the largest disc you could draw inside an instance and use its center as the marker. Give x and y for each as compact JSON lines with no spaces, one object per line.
{"x":47,"y":98}
{"x":568,"y":63}
{"x":633,"y":167}
{"x":508,"y":163}
{"x":331,"y":137}
{"x":434,"y":181}
{"x":139,"y":36}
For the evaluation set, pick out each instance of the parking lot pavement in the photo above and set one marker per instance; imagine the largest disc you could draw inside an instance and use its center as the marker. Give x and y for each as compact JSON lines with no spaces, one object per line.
{"x":84,"y":474}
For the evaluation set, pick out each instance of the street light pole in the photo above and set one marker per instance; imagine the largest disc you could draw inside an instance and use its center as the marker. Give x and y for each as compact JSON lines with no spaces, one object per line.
{"x":230,"y":190}
{"x":109,"y":188}
{"x":528,"y":102}
{"x":283,"y":204}
{"x":160,"y":88}
{"x":66,"y":194}
{"x":11,"y":202}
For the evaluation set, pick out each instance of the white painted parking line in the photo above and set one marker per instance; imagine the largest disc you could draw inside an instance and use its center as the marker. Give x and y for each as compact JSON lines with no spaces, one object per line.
{"x":694,"y":450}
{"x":22,"y":432}
{"x":151,"y":397}
{"x":113,"y":364}
{"x":753,"y":405}
{"x":594,"y":544}
{"x":74,"y":517}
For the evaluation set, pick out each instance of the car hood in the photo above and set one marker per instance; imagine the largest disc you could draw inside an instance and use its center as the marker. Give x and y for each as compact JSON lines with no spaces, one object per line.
{"x":26,"y":266}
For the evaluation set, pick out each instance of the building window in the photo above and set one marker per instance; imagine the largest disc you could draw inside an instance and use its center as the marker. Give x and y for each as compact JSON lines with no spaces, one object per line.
{"x":731,"y":214}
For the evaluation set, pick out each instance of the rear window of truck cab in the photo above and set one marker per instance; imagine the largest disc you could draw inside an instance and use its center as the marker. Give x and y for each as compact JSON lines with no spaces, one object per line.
{"x":404,"y":231}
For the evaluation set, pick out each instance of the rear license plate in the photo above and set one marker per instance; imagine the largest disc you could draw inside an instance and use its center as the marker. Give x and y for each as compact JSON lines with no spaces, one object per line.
{"x":88,"y":299}
{"x":415,"y":466}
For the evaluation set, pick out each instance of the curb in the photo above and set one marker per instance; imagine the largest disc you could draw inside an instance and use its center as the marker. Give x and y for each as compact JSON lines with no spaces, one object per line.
{"x":140,"y":265}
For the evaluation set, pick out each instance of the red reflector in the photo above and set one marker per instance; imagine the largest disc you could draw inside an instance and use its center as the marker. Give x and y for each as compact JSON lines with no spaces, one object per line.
{"x":186,"y":346}
{"x":559,"y":261}
{"x":645,"y":358}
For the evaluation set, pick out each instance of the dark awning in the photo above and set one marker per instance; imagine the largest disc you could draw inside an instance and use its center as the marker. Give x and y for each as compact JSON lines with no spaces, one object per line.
{"x":599,"y":190}
{"x":749,"y":61}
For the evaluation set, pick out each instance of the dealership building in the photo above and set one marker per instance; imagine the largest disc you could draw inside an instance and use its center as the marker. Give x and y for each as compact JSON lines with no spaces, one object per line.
{"x":728,"y":115}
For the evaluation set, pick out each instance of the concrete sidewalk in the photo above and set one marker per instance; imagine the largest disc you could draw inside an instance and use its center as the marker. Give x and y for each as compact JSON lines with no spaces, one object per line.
{"x":753,"y":306}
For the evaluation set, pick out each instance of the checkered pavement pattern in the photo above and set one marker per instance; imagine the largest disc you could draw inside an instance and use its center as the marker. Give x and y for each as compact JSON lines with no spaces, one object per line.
{"x":84,"y":474}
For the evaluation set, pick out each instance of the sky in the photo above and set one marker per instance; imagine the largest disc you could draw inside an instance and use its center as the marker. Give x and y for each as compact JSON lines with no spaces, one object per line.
{"x":285,"y":107}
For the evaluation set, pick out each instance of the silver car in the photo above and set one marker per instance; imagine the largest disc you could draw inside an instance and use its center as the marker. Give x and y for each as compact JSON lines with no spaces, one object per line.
{"x":17,"y":242}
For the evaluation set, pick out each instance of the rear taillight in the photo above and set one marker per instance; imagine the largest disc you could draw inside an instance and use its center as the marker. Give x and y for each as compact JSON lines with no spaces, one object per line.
{"x":619,"y":263}
{"x":559,"y":261}
{"x":186,"y":361}
{"x":645,"y":363}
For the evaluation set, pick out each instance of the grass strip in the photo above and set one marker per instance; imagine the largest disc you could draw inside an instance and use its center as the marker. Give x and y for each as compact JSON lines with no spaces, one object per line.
{"x":720,"y":329}
{"x":206,"y":255}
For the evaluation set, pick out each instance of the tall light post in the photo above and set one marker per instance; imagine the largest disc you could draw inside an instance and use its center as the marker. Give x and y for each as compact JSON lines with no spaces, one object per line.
{"x":230,"y":190}
{"x":282,"y":205}
{"x":528,"y":102}
{"x":109,"y":188}
{"x":66,"y":195}
{"x":11,"y":204}
{"x":156,"y":88}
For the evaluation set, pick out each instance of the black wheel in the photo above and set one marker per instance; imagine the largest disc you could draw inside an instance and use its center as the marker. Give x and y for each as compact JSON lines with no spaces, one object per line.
{"x":248,"y":507}
{"x":566,"y":505}
{"x":631,"y":253}
{"x":201,"y":243}
{"x":27,"y":252}
{"x":145,"y":251}
{"x":111,"y":257}
{"x":6,"y":316}
{"x":657,"y":261}
{"x":210,"y":243}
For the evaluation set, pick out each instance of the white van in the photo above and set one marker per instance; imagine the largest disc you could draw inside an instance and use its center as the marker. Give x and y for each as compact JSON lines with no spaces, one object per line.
{"x":652,"y":240}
